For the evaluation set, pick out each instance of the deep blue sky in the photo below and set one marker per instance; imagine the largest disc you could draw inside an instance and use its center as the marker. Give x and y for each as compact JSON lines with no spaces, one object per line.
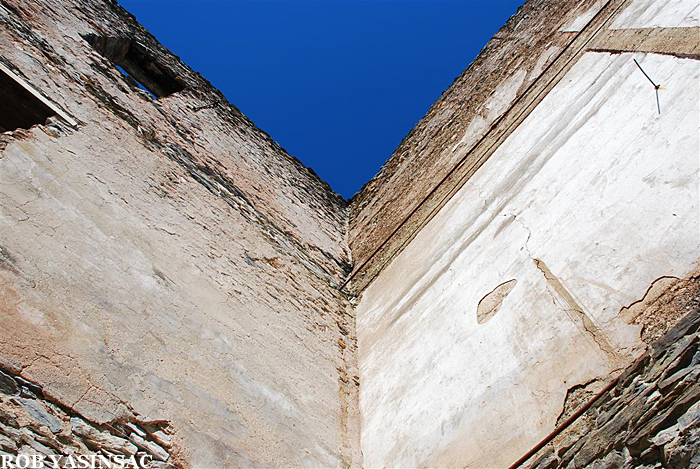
{"x":338,"y":84}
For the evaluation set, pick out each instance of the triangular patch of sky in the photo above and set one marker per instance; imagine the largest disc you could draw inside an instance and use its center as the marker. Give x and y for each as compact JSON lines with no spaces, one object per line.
{"x":338,"y":84}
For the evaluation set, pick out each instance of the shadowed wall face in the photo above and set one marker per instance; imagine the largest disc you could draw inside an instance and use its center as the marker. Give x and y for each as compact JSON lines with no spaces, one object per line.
{"x":18,"y":107}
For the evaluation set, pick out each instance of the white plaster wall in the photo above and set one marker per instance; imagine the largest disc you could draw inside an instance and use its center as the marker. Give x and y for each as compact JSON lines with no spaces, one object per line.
{"x":659,"y":14}
{"x":596,"y":185}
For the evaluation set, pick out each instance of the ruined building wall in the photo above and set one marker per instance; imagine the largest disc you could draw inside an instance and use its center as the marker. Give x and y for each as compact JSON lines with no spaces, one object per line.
{"x":514,"y":288}
{"x":173,"y":283}
{"x":164,"y":265}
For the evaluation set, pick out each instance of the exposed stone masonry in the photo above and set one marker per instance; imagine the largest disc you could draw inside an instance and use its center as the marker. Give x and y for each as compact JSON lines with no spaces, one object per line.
{"x":650,"y":419}
{"x":32,"y":425}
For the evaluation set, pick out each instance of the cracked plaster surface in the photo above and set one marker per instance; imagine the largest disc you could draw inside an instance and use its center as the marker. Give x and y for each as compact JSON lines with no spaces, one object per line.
{"x":586,"y":204}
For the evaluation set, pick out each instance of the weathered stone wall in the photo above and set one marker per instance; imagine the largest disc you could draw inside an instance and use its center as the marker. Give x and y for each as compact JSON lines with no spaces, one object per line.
{"x":207,"y":136}
{"x":170,"y":278}
{"x":32,"y":426}
{"x":165,"y":260}
{"x":524,"y":284}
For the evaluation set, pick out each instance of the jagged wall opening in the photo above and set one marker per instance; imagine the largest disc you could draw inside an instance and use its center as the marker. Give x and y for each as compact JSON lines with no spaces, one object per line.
{"x":136,"y":63}
{"x":19,"y":108}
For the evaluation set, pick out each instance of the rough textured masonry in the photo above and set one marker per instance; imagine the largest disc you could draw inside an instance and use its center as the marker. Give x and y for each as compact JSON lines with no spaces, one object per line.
{"x":164,"y":262}
{"x":174,"y":285}
{"x":650,"y":419}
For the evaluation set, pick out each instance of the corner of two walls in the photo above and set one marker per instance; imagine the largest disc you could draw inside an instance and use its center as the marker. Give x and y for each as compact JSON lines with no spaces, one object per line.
{"x":482,"y":292}
{"x":552,"y":233}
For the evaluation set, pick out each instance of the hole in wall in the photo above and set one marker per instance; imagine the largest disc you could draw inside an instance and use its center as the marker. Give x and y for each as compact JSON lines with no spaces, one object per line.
{"x":19,"y":108}
{"x":490,"y":304}
{"x":134,"y":61}
{"x":135,"y":82}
